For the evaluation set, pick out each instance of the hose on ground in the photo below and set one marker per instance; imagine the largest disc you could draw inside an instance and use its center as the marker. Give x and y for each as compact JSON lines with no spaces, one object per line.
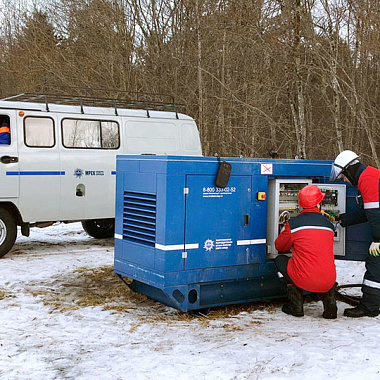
{"x":351,"y":300}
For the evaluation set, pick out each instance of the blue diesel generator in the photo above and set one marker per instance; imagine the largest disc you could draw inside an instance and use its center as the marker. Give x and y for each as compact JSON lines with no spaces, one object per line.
{"x":191,"y":243}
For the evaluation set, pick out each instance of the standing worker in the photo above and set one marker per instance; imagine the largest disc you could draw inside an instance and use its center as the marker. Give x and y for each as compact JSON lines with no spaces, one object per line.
{"x":310,"y":236}
{"x":5,"y":133}
{"x":347,"y":166}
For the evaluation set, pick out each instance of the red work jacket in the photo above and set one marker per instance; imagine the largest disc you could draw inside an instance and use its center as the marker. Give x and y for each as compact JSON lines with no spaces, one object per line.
{"x":310,"y":236}
{"x":368,"y":185}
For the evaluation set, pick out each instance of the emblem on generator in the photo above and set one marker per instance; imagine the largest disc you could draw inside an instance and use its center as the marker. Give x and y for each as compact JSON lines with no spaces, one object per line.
{"x":209,"y":245}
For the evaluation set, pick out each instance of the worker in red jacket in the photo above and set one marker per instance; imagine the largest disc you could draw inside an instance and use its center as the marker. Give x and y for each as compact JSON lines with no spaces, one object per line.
{"x":347,"y":166}
{"x":310,"y":237}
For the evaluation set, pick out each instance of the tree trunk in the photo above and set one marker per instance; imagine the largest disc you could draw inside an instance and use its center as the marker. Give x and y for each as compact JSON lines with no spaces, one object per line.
{"x":202,"y":126}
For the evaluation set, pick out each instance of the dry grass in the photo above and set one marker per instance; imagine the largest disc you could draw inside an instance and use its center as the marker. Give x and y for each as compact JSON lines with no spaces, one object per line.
{"x":100,"y":287}
{"x":4,"y":294}
{"x":225,"y":312}
{"x":89,"y":288}
{"x":230,"y":311}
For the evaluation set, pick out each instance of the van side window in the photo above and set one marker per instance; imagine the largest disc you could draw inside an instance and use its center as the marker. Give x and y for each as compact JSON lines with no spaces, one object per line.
{"x":154,"y":137}
{"x":90,"y":134}
{"x":39,"y":132}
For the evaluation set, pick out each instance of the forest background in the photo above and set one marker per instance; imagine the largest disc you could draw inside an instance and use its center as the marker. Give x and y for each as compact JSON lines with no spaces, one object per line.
{"x":298,"y":77}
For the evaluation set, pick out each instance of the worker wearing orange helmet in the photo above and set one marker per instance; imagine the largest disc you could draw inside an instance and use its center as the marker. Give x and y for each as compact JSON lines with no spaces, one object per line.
{"x":310,"y":237}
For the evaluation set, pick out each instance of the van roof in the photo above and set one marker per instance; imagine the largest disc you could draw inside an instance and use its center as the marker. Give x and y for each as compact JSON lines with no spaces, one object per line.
{"x":94,"y":106}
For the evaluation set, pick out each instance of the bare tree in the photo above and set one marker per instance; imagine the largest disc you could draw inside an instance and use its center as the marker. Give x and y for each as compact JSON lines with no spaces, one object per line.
{"x":297,"y":76}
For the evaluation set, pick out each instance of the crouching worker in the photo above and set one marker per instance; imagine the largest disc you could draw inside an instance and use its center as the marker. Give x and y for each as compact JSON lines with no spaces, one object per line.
{"x":310,"y":236}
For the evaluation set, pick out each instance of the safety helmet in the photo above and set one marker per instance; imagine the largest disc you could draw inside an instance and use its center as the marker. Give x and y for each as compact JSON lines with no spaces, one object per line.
{"x":310,"y":196}
{"x":342,"y":162}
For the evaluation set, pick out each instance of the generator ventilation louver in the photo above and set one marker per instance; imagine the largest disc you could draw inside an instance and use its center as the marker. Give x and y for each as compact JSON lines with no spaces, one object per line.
{"x":139,"y":217}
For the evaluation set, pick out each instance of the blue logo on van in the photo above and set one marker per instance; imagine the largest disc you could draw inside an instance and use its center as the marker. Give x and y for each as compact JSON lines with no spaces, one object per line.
{"x":78,"y":173}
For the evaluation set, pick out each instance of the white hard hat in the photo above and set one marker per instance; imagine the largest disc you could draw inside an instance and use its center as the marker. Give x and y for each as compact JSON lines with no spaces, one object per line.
{"x":342,"y":161}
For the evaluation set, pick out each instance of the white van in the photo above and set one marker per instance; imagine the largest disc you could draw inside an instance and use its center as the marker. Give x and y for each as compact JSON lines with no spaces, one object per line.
{"x":60,"y":162}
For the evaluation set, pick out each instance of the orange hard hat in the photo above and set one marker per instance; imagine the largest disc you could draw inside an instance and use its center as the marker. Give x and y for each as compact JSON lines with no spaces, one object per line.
{"x":310,"y":196}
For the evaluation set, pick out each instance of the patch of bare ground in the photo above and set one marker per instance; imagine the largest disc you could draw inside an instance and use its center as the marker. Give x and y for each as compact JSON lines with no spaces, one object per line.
{"x":89,"y":287}
{"x":6,"y":294}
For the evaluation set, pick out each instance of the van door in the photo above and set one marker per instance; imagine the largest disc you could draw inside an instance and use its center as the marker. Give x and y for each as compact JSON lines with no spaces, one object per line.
{"x":39,"y":171}
{"x":88,"y":157}
{"x":9,"y":179}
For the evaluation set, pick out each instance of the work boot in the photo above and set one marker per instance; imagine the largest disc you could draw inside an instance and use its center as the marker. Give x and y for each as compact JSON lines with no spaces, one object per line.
{"x":295,"y":305}
{"x":367,"y":307}
{"x":329,"y":304}
{"x":359,"y":311}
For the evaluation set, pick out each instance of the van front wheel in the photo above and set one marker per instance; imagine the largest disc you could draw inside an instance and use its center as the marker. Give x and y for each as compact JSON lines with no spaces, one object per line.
{"x":8,"y":232}
{"x":99,"y":228}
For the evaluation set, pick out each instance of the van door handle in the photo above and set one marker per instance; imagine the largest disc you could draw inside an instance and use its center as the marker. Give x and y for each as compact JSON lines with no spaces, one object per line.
{"x":8,"y":159}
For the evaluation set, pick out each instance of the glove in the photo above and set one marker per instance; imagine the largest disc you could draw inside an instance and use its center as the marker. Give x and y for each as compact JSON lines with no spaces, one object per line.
{"x":374,"y":249}
{"x":331,"y":215}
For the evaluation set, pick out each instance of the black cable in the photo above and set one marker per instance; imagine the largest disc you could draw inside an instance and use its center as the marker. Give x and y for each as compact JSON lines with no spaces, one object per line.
{"x":351,"y":300}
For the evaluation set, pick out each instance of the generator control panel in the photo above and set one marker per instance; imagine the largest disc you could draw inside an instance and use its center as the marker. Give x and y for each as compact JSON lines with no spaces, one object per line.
{"x":283,"y":204}
{"x":331,"y":197}
{"x":335,"y":202}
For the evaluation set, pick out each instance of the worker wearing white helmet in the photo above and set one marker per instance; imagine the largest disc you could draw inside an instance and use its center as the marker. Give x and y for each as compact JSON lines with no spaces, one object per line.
{"x":348,"y":167}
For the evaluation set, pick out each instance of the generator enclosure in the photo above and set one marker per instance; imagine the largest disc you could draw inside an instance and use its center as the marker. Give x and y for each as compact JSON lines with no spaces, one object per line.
{"x":192,"y":245}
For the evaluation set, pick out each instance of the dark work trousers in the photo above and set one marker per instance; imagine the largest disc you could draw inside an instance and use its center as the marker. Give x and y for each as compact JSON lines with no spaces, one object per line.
{"x":371,"y":285}
{"x":281,"y":263}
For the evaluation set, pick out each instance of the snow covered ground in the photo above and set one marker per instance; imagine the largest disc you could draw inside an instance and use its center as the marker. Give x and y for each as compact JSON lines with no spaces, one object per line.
{"x":63,"y":315}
